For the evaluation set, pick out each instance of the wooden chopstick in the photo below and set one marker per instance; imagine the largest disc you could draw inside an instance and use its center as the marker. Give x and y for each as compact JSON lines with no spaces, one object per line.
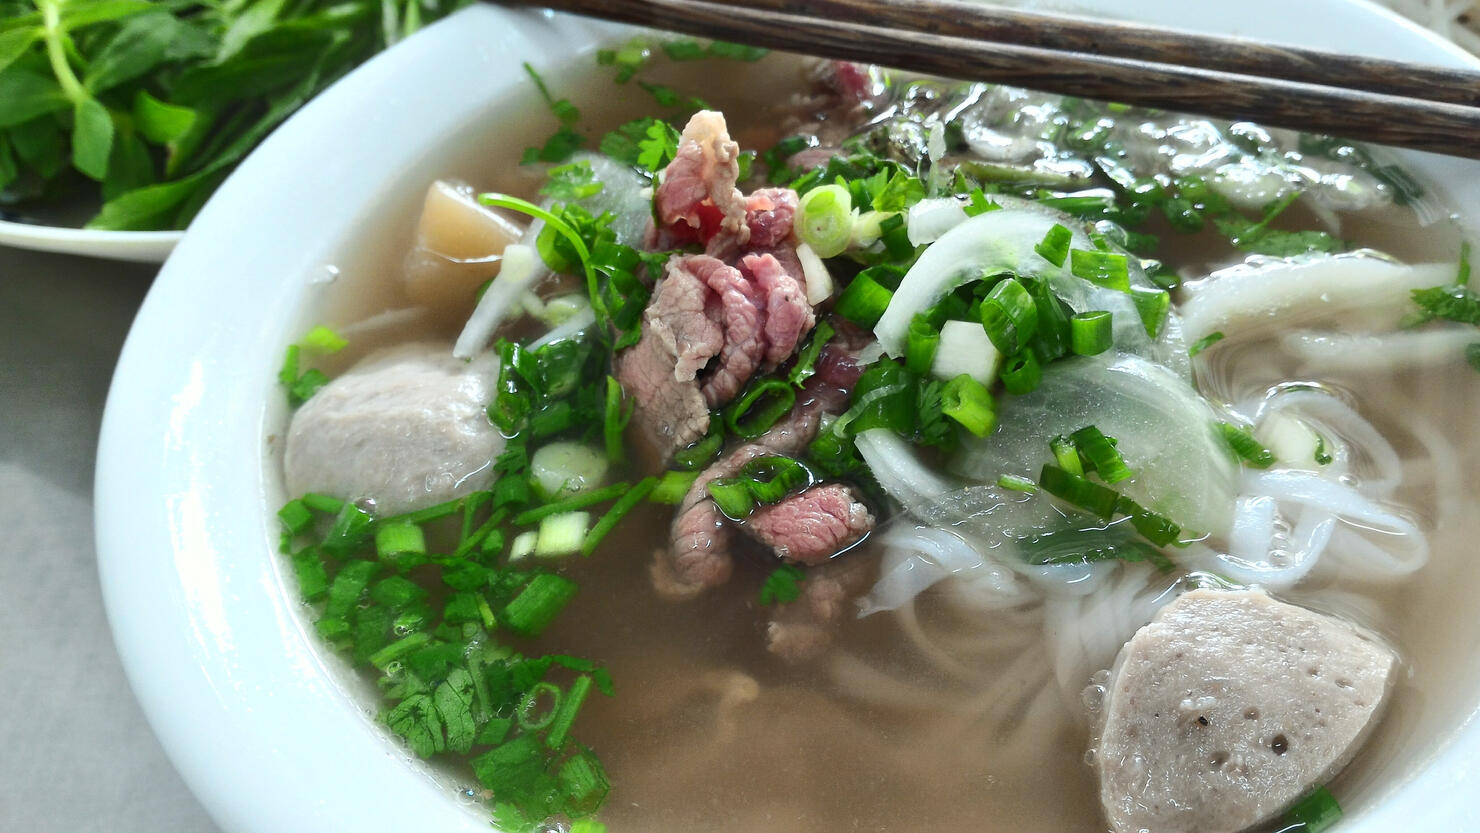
{"x":1066,"y":33}
{"x":1398,"y":120}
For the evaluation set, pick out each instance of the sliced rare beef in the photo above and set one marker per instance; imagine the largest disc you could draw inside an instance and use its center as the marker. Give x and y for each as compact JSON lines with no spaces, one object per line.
{"x":800,"y":631}
{"x":698,"y":189}
{"x":811,"y":527}
{"x":788,"y":315}
{"x":743,"y":306}
{"x":699,"y":556}
{"x":770,"y":214}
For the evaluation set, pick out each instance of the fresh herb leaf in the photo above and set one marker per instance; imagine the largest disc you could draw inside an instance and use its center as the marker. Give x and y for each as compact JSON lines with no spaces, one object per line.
{"x":783,"y":585}
{"x":574,"y":181}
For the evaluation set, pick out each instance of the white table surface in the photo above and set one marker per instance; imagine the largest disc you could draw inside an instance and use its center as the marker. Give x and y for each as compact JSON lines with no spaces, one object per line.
{"x":75,"y":751}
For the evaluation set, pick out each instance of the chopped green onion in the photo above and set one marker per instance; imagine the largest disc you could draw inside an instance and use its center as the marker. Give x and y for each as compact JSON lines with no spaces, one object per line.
{"x":760,"y":407}
{"x":571,"y":503}
{"x":921,"y":344}
{"x":1204,"y":343}
{"x":295,"y":516}
{"x":561,"y":227}
{"x":615,"y":514}
{"x":1022,"y":373}
{"x":1054,"y":247}
{"x":1098,"y":449}
{"x":351,"y":528}
{"x":806,"y":363}
{"x":566,"y":468}
{"x":566,"y":715}
{"x":732,"y":497}
{"x":864,"y":300}
{"x":562,"y":534}
{"x":1316,"y":811}
{"x":1245,"y":446}
{"x":1053,"y":324}
{"x":1463,"y":275}
{"x":1016,"y":483}
{"x":1090,"y":333}
{"x":400,"y":648}
{"x":1106,"y":269}
{"x":1077,"y":490}
{"x":1153,"y":305}
{"x":614,"y":421}
{"x":1322,"y":454}
{"x":322,"y":503}
{"x":583,"y":784}
{"x":1010,"y":316}
{"x":538,"y":604}
{"x":530,"y":720}
{"x":706,"y":449}
{"x":824,"y":219}
{"x":313,"y":577}
{"x":967,"y":401}
{"x":1066,"y":454}
{"x":771,"y":478}
{"x":523,"y":545}
{"x":1158,"y":529}
{"x":393,"y":539}
{"x":672,"y":487}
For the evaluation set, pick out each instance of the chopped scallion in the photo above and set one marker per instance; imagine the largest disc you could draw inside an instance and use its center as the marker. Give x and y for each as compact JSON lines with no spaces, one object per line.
{"x":1107,"y":269}
{"x":615,"y":514}
{"x":1079,"y":491}
{"x":732,"y":497}
{"x":1098,"y":449}
{"x":1022,"y":373}
{"x":864,"y":300}
{"x":538,"y":604}
{"x":572,"y":503}
{"x":1204,"y":343}
{"x":920,"y":344}
{"x":566,"y":715}
{"x":1017,"y":483}
{"x":562,"y":534}
{"x":824,"y":219}
{"x":968,"y":402}
{"x":401,"y":538}
{"x":1066,"y":454}
{"x":1316,"y":811}
{"x":672,"y":487}
{"x":1153,"y":305}
{"x":760,"y":407}
{"x":1090,"y":333}
{"x":1010,"y":316}
{"x":1054,"y":247}
{"x":531,"y":716}
{"x":1245,"y":446}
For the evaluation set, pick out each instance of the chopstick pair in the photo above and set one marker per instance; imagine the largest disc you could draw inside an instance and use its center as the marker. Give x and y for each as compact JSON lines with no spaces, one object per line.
{"x":1389,"y":102}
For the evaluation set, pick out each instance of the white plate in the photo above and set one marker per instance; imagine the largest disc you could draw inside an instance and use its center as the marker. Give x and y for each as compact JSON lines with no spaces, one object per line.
{"x":238,"y":691}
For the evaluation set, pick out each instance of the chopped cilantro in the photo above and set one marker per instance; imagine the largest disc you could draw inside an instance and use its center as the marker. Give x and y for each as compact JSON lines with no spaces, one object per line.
{"x":783,"y":585}
{"x":574,"y":181}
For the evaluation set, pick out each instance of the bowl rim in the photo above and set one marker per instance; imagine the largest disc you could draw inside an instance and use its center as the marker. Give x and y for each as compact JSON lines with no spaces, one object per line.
{"x":209,"y":631}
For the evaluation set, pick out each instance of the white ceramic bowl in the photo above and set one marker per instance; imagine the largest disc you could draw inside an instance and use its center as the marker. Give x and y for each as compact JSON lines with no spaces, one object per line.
{"x":238,"y":690}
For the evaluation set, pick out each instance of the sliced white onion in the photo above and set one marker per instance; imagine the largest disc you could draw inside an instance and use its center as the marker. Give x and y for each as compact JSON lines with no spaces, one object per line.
{"x":814,"y":272}
{"x":900,"y":472}
{"x":929,"y":219}
{"x":965,"y":348}
{"x":567,"y":329}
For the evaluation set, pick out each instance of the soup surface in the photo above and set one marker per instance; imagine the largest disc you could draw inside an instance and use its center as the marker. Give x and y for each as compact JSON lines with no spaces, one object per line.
{"x":968,"y":699}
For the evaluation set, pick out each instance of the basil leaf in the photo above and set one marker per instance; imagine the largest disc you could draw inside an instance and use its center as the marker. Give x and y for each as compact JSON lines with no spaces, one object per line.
{"x":92,"y":138}
{"x":14,"y":44}
{"x":24,"y":95}
{"x":159,"y":122}
{"x":140,"y":45}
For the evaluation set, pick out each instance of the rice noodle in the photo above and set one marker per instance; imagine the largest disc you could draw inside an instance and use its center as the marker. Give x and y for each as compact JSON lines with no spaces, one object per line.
{"x":1327,"y":352}
{"x":567,"y":328}
{"x":899,"y":471}
{"x":522,"y":267}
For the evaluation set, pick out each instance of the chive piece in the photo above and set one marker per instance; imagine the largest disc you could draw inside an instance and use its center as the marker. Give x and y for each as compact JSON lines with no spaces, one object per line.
{"x":615,"y":514}
{"x":523,"y":545}
{"x":824,"y":219}
{"x":672,"y":487}
{"x":1022,"y":373}
{"x":570,"y":504}
{"x":1054,"y":247}
{"x":920,"y":345}
{"x":772,"y":477}
{"x":1158,"y":529}
{"x":313,"y":578}
{"x":760,"y":407}
{"x":1079,"y":491}
{"x":1322,"y":455}
{"x":480,"y":537}
{"x":1066,"y":454}
{"x":400,"y":648}
{"x":1245,"y":446}
{"x":400,"y":538}
{"x":583,"y":784}
{"x":322,"y":503}
{"x":538,"y":604}
{"x":1098,"y":449}
{"x":1106,"y":269}
{"x":863,"y":301}
{"x":566,"y":714}
{"x":614,"y":421}
{"x":295,"y":516}
{"x":1204,"y":343}
{"x":531,"y":721}
{"x":1016,"y":483}
{"x":1010,"y":316}
{"x":967,"y":401}
{"x":1153,"y":305}
{"x":732,"y":496}
{"x":351,"y":528}
{"x":1090,"y":333}
{"x":695,"y":456}
{"x":431,"y":513}
{"x":1317,"y":811}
